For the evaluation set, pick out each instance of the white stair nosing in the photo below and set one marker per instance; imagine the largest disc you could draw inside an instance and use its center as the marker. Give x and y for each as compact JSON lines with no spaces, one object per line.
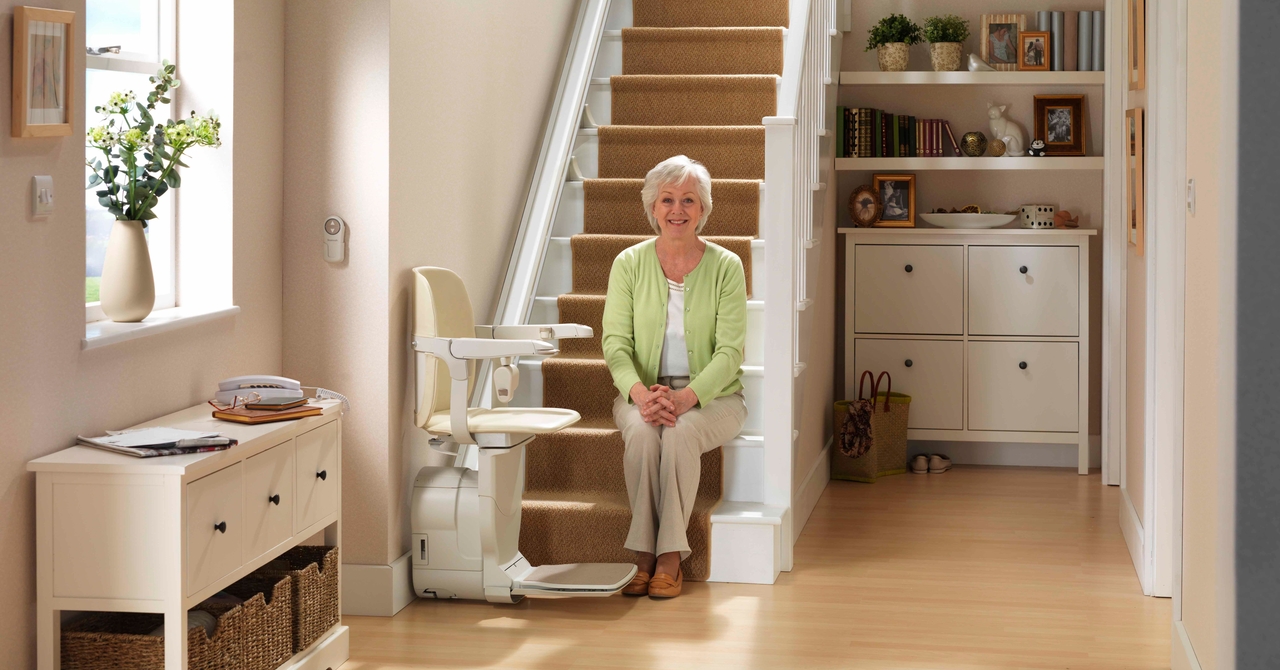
{"x":729,"y":511}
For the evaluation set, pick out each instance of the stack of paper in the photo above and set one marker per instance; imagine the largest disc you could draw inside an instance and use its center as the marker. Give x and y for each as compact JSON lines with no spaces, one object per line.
{"x":157,"y":441}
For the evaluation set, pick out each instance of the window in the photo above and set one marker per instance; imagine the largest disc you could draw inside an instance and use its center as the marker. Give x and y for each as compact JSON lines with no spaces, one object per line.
{"x":127,"y":40}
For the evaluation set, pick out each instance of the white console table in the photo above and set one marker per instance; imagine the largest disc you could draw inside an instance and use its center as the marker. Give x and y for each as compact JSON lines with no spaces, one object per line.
{"x":116,"y":533}
{"x":986,"y":330}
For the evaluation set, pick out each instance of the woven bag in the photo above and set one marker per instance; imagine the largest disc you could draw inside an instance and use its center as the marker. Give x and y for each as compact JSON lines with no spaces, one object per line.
{"x":871,"y":435}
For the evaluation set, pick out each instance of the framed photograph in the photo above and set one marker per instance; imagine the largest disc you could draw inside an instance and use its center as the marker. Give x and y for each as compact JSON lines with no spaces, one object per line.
{"x":865,"y":206}
{"x":43,"y":72}
{"x":1061,"y":123}
{"x":999,"y":38}
{"x":1137,"y":67}
{"x":1135,"y":187}
{"x":1033,"y":50}
{"x":898,"y":198}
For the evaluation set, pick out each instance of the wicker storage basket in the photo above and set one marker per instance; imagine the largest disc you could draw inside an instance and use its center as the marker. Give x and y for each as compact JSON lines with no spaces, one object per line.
{"x":266,"y":636}
{"x":887,"y":453}
{"x":315,"y":590}
{"x":120,"y":641}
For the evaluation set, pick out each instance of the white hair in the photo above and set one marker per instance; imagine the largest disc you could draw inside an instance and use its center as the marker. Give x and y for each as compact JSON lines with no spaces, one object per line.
{"x":676,"y":170}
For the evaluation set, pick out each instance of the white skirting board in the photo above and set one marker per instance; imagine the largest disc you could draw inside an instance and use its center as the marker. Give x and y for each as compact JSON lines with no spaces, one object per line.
{"x":811,"y":490}
{"x":1131,"y":527}
{"x":1182,"y":656}
{"x":329,"y":653}
{"x":377,"y":590}
{"x":1009,"y":453}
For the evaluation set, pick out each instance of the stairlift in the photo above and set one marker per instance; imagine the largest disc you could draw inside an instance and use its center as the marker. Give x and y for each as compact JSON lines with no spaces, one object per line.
{"x":466,"y":523}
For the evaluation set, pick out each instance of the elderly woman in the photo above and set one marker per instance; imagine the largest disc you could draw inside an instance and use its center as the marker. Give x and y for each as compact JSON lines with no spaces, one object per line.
{"x":674,"y":324}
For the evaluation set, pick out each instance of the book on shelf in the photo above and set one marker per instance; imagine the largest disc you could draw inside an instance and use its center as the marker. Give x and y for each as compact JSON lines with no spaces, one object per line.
{"x":955,"y":148}
{"x":1070,"y":36}
{"x":864,"y":132}
{"x":840,"y":134}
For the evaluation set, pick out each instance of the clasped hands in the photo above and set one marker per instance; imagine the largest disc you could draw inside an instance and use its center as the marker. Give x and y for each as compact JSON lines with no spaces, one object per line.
{"x":660,"y":405}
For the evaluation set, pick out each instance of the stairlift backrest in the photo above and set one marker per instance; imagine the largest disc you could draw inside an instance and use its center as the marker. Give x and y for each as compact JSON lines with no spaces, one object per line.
{"x":441,"y":308}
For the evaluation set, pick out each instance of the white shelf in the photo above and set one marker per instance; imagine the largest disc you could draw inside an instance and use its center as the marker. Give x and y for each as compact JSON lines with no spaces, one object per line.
{"x":966,"y":163}
{"x":973,"y":78}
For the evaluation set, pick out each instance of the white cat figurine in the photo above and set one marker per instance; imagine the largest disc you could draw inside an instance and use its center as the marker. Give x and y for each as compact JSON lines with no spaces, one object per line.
{"x":1015,"y":140}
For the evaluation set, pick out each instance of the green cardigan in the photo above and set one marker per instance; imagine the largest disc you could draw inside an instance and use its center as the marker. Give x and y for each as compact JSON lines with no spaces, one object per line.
{"x":715,"y":320}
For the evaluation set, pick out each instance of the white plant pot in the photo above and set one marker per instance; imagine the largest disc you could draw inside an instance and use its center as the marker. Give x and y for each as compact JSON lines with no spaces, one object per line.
{"x":893,"y":57}
{"x":128,"y":290}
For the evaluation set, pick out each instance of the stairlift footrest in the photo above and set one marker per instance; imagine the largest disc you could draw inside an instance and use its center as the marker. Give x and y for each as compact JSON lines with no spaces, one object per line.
{"x":572,"y":580}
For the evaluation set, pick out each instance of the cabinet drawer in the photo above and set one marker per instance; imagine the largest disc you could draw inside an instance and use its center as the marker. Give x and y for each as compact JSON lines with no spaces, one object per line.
{"x":1043,"y":395}
{"x":317,"y":475}
{"x":930,"y":371}
{"x":215,"y":528}
{"x":268,"y":500}
{"x":909,"y":289}
{"x":1024,"y":291}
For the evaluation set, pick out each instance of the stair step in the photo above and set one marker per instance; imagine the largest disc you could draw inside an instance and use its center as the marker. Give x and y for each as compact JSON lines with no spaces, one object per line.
{"x":731,"y":13}
{"x":702,"y":51}
{"x":739,"y":532}
{"x":692,"y":100}
{"x":613,"y":207}
{"x":593,"y":257}
{"x":729,"y":152}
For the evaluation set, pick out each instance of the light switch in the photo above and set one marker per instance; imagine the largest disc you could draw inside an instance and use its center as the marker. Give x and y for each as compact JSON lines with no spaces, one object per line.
{"x":41,"y":196}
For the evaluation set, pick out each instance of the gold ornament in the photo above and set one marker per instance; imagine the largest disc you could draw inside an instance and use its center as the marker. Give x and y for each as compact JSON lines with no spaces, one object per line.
{"x":996,"y":148}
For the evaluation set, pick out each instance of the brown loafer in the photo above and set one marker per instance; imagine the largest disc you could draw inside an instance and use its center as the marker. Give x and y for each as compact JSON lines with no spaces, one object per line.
{"x":663,"y":586}
{"x":638,"y":586}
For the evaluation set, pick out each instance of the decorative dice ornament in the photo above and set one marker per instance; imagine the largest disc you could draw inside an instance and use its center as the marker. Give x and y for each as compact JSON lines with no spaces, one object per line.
{"x":1037,"y":216}
{"x":1037,"y":148}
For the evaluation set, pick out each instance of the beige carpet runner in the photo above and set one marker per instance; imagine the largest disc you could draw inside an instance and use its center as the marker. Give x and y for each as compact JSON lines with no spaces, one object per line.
{"x":697,"y":79}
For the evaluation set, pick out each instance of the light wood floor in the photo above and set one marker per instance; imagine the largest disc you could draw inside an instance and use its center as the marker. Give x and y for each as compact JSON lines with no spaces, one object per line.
{"x":975,"y":568}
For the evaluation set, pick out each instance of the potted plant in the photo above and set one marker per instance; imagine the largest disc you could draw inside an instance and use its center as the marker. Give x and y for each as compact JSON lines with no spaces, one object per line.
{"x":139,"y":164}
{"x":892,"y":38}
{"x":946,"y":36}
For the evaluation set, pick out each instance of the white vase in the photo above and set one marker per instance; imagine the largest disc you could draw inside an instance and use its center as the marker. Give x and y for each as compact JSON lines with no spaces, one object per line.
{"x":128,"y":290}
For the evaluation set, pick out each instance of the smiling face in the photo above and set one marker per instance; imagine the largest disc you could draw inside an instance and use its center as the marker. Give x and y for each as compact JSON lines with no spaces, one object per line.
{"x":678,"y":209}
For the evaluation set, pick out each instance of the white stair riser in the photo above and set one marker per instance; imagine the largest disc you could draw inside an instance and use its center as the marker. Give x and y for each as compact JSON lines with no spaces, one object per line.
{"x":586,"y":148}
{"x":599,"y":97}
{"x":545,"y":311}
{"x":737,"y":556}
{"x":619,"y":15}
{"x":744,"y":471}
{"x":529,"y":393}
{"x":608,"y":58}
{"x":557,"y":268}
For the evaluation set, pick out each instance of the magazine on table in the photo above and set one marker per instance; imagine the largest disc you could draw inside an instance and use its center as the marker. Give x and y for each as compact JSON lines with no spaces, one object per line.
{"x":158,"y":441}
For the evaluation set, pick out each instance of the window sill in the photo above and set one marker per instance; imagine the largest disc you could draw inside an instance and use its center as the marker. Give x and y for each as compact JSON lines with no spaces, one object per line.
{"x":103,"y":333}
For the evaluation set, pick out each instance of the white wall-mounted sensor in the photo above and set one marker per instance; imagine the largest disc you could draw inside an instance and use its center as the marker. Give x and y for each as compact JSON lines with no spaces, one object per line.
{"x":335,"y":239}
{"x":41,"y":196}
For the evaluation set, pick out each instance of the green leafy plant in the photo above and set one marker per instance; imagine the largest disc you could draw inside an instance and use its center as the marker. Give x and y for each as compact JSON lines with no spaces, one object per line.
{"x":140,"y":158}
{"x":893,"y":28}
{"x":948,"y":28}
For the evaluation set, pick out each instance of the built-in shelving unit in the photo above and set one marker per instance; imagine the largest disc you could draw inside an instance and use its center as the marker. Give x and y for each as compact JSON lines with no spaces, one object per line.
{"x":967,"y":163}
{"x":973,"y":78}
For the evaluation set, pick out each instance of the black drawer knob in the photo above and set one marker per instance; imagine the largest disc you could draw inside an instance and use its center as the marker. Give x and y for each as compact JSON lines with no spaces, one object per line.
{"x":908,"y":363}
{"x":322,"y":475}
{"x":1022,"y":365}
{"x":221,"y":526}
{"x":1023,"y":269}
{"x":275,"y":499}
{"x":908,"y":268}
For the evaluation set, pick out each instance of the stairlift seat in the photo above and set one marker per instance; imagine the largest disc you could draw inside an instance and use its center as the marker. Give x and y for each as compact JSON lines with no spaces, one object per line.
{"x":529,"y":420}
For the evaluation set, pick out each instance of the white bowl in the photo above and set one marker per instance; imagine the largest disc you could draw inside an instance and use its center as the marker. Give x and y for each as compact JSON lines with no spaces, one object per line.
{"x":969,"y":220}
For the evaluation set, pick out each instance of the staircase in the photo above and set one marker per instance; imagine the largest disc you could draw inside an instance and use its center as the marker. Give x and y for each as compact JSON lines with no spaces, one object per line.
{"x":698,"y":78}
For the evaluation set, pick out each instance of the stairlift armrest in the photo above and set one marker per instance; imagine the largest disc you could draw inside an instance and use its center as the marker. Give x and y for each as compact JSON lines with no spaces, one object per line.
{"x":473,"y":348}
{"x":554,"y":331}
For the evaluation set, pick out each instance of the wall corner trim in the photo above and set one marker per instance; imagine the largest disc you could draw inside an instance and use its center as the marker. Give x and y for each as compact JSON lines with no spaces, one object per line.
{"x":377,"y":590}
{"x":811,"y":490}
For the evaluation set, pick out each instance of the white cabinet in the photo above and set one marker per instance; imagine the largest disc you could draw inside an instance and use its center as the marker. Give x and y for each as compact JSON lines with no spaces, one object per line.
{"x":116,"y":533}
{"x":986,"y":330}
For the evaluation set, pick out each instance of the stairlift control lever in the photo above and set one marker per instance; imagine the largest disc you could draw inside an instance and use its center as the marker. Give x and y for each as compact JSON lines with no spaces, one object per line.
{"x":506,"y":379}
{"x":335,"y":239}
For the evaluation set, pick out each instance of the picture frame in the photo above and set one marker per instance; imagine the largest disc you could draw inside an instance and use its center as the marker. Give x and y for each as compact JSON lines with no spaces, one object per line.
{"x":865,"y":206}
{"x":897,"y":194}
{"x":1034,"y":50}
{"x":44,"y":72}
{"x":1135,"y":171}
{"x":1061,"y":121}
{"x":1136,"y":72}
{"x":999,"y":39}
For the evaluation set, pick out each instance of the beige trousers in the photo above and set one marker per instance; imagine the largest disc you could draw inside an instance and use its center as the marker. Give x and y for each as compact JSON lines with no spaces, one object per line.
{"x":663,"y":464}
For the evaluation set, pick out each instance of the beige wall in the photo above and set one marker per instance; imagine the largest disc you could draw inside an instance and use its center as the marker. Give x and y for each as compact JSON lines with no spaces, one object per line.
{"x":418,"y":123}
{"x":55,"y":390}
{"x":1202,"y":604}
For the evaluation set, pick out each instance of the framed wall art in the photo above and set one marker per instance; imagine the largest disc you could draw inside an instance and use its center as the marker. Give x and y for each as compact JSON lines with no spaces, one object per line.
{"x":44,"y":72}
{"x":999,"y":38}
{"x":1033,"y":50}
{"x":898,"y":200}
{"x":1134,"y":184}
{"x":1136,"y":71}
{"x":1060,"y":122}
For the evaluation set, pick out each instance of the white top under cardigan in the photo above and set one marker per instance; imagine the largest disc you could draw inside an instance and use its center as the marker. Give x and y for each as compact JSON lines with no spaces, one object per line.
{"x":675,"y":351}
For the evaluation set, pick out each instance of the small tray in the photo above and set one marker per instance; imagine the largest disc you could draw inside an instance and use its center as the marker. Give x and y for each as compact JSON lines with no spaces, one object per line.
{"x":968,"y":220}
